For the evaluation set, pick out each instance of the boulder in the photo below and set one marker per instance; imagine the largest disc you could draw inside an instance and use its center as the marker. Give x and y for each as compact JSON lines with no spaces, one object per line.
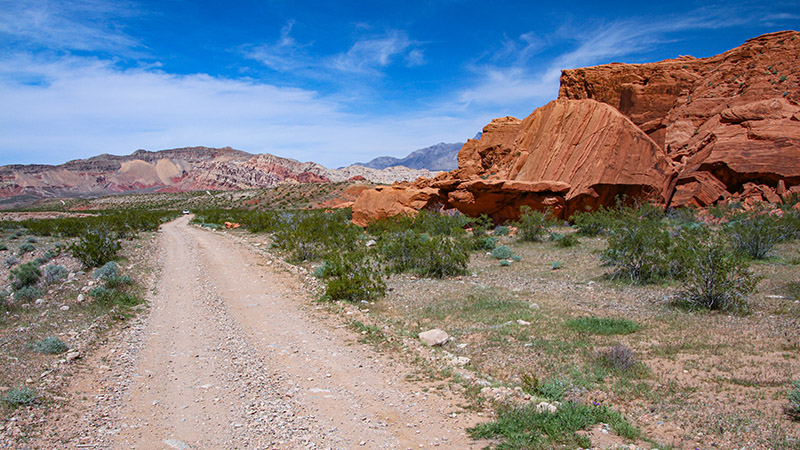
{"x":434,"y":337}
{"x":389,"y":201}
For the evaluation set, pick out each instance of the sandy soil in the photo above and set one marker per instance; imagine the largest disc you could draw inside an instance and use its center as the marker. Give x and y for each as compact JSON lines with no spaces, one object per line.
{"x":233,"y":355}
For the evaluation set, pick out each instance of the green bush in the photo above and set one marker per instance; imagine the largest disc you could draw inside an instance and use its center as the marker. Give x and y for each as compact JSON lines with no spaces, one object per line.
{"x":11,"y":260}
{"x":639,"y":244}
{"x":505,"y":263}
{"x":592,"y":223}
{"x":483,"y":243}
{"x":20,"y":396}
{"x":95,"y":248}
{"x":793,"y":408}
{"x":715,"y":276}
{"x":109,"y":270}
{"x":353,"y":277}
{"x":44,"y":258}
{"x":31,"y":240}
{"x":502,"y":252}
{"x":565,"y":241}
{"x":534,"y":225}
{"x":28,"y":293}
{"x":3,"y":247}
{"x":25,"y":248}
{"x":27,"y":274}
{"x":756,"y":232}
{"x":50,"y":346}
{"x":481,"y":225}
{"x":118,"y":281}
{"x":436,"y":257}
{"x":502,"y":230}
{"x":54,"y":273}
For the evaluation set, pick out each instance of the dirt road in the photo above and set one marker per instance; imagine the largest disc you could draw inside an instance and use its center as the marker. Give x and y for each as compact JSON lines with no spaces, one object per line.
{"x":228,"y":358}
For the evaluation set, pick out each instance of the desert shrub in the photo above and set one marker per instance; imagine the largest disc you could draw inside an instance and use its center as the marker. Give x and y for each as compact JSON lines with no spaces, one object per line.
{"x":483,"y":243}
{"x":311,"y":235}
{"x":480,"y":225}
{"x":605,"y":326}
{"x":118,"y":281}
{"x":715,"y":277}
{"x":3,"y":247}
{"x":502,"y":230}
{"x":10,"y":261}
{"x":516,"y":258}
{"x":4,"y":298}
{"x":555,"y":265}
{"x":435,"y":256}
{"x":756,"y":232}
{"x":353,"y":277}
{"x":505,"y":263}
{"x":95,"y":248}
{"x":27,"y":274}
{"x":427,"y":222}
{"x":25,"y":248}
{"x":534,"y":225}
{"x":639,"y":244}
{"x":592,"y":223}
{"x":793,"y":408}
{"x":620,"y":358}
{"x":502,"y":252}
{"x":54,"y":273}
{"x":28,"y":293}
{"x":31,"y":240}
{"x":681,"y":216}
{"x":15,"y":235}
{"x":50,"y":346}
{"x":115,"y":297}
{"x":568,"y":240}
{"x":44,"y":258}
{"x":109,"y":270}
{"x":20,"y":396}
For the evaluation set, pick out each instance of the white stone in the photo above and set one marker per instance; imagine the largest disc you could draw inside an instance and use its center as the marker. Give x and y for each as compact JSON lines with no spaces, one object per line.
{"x":64,"y":308}
{"x":522,"y":322}
{"x":434,"y":337}
{"x":546,"y":407}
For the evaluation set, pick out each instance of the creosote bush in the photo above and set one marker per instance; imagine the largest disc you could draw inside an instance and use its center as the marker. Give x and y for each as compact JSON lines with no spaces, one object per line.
{"x":638,"y":244}
{"x":534,"y":225}
{"x":95,"y":248}
{"x":715,"y":276}
{"x":25,"y":248}
{"x":756,"y":232}
{"x":352,"y":277}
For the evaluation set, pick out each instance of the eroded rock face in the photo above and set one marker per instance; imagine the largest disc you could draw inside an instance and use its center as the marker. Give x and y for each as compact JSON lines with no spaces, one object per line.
{"x":685,"y":131}
{"x":567,"y":156}
{"x":726,"y":121}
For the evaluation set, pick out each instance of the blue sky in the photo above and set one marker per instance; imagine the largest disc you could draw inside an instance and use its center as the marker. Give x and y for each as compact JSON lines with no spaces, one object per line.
{"x":331,"y":82}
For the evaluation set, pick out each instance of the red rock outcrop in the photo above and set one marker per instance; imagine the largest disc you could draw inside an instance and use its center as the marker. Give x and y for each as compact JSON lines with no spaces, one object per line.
{"x":726,"y":120}
{"x":568,"y":155}
{"x":685,"y":131}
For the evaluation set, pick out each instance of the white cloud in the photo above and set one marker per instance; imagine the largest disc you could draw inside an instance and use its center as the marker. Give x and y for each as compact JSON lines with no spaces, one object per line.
{"x":87,"y":25}
{"x":367,"y":56}
{"x":86,"y":107}
{"x":511,"y":79}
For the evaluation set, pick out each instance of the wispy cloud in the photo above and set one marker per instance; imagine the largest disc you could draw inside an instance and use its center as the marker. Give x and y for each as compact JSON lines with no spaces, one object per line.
{"x":366,"y":56}
{"x":85,"y":25}
{"x":510,"y":76}
{"x":369,"y":55}
{"x":89,"y":106}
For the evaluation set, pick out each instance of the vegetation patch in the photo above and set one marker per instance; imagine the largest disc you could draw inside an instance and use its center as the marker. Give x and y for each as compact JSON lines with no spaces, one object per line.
{"x":530,"y":429}
{"x":604,"y":326}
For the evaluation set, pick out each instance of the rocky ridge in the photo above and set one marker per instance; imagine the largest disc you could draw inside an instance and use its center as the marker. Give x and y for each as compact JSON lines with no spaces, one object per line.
{"x":685,"y":131}
{"x":441,"y":156}
{"x":176,"y":170}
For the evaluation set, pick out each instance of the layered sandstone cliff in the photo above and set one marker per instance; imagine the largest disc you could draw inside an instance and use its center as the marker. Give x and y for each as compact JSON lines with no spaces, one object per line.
{"x":678,"y":132}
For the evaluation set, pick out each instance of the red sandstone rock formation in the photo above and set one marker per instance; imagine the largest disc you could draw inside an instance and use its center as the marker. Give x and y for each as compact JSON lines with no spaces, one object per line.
{"x":700,"y":131}
{"x":726,"y":121}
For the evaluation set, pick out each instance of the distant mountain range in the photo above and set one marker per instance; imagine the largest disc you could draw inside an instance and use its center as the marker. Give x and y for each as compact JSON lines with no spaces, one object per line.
{"x":176,"y":170}
{"x":441,"y":157}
